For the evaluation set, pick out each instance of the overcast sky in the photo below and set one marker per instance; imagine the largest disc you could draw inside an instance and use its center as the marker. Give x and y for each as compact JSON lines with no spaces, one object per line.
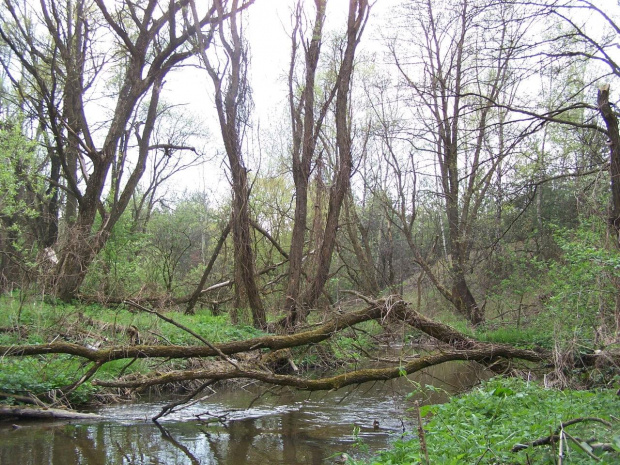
{"x":267,"y":27}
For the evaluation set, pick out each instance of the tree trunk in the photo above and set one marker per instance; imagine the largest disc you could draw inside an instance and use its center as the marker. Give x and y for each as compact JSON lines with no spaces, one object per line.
{"x":305,"y":129}
{"x":45,"y":413}
{"x":244,"y":254}
{"x":463,"y":299}
{"x":358,"y":14}
{"x":611,"y":121}
{"x":231,"y":103}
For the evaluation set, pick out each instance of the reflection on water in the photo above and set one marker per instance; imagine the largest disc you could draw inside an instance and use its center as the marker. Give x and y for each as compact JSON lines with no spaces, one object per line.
{"x":277,"y":427}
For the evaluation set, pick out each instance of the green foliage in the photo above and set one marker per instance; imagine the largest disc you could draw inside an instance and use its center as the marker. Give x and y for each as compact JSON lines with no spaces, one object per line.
{"x":534,"y":336}
{"x":583,"y":285}
{"x":482,"y":426}
{"x":42,"y":376}
{"x":348,"y":347}
{"x":165,"y":255}
{"x":119,"y":267}
{"x":22,"y":189}
{"x":41,"y":322}
{"x":18,"y":171}
{"x":213,"y":328}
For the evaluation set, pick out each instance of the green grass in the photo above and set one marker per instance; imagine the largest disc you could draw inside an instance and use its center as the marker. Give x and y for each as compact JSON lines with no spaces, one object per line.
{"x":42,"y":376}
{"x":481,"y":427}
{"x":39,"y":322}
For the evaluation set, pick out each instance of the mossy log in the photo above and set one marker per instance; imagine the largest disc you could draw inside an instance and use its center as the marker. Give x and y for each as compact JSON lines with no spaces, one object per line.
{"x":452,"y":345}
{"x":44,"y":413}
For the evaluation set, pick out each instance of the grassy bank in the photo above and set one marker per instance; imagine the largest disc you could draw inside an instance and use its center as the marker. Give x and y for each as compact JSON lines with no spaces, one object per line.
{"x":38,"y":321}
{"x":95,"y":326}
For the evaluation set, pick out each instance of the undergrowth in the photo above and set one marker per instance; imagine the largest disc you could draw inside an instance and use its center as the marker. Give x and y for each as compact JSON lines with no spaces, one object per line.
{"x":483,"y":426}
{"x":39,"y":321}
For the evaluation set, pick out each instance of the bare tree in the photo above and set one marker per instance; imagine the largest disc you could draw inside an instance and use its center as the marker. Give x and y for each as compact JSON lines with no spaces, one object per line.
{"x":172,"y":153}
{"x":84,"y":44}
{"x":456,"y":72}
{"x":305,"y":133}
{"x":307,"y":119}
{"x":228,"y":71}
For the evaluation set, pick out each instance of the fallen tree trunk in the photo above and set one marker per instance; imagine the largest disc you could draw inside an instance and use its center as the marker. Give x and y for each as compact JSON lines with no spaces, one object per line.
{"x":457,"y":347}
{"x":44,"y":413}
{"x":384,"y":309}
{"x":273,"y":342}
{"x":320,"y":384}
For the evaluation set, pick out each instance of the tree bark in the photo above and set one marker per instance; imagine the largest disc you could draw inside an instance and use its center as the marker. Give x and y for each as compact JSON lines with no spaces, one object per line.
{"x":45,"y":413}
{"x":611,"y":122}
{"x":305,"y":130}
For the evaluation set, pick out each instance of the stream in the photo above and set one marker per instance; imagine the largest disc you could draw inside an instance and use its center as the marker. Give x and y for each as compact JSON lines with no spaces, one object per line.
{"x":259,"y":425}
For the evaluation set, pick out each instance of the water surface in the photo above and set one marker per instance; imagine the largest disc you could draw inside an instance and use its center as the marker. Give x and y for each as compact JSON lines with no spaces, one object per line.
{"x":259,"y":425}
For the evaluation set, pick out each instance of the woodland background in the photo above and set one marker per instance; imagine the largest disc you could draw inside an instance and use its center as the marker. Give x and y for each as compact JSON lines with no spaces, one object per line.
{"x":465,"y":153}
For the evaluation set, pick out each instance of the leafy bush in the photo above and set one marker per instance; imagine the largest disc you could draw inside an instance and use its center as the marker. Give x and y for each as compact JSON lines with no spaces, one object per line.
{"x":584,"y":284}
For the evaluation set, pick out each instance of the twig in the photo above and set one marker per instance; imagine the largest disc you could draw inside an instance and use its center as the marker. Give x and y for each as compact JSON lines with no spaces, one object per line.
{"x":580,"y":445}
{"x":72,"y":387}
{"x":28,"y":399}
{"x":368,"y":300}
{"x":554,"y":436}
{"x":421,"y":434}
{"x":166,"y":409}
{"x":122,"y":372}
{"x":582,"y":419}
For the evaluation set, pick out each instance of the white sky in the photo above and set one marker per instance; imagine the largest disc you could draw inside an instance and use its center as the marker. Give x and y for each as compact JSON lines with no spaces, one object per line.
{"x":267,"y":26}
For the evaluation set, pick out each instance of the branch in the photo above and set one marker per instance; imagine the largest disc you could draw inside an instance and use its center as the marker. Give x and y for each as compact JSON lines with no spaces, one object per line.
{"x":186,"y":329}
{"x":320,"y":384}
{"x":169,"y":147}
{"x":269,"y":237}
{"x":554,"y":437}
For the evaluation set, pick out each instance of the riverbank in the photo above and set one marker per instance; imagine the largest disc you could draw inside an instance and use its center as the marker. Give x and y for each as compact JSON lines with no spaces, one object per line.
{"x":513,"y":421}
{"x":53,"y":351}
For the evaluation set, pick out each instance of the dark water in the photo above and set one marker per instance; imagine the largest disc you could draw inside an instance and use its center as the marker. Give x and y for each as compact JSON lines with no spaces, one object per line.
{"x":279,"y":426}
